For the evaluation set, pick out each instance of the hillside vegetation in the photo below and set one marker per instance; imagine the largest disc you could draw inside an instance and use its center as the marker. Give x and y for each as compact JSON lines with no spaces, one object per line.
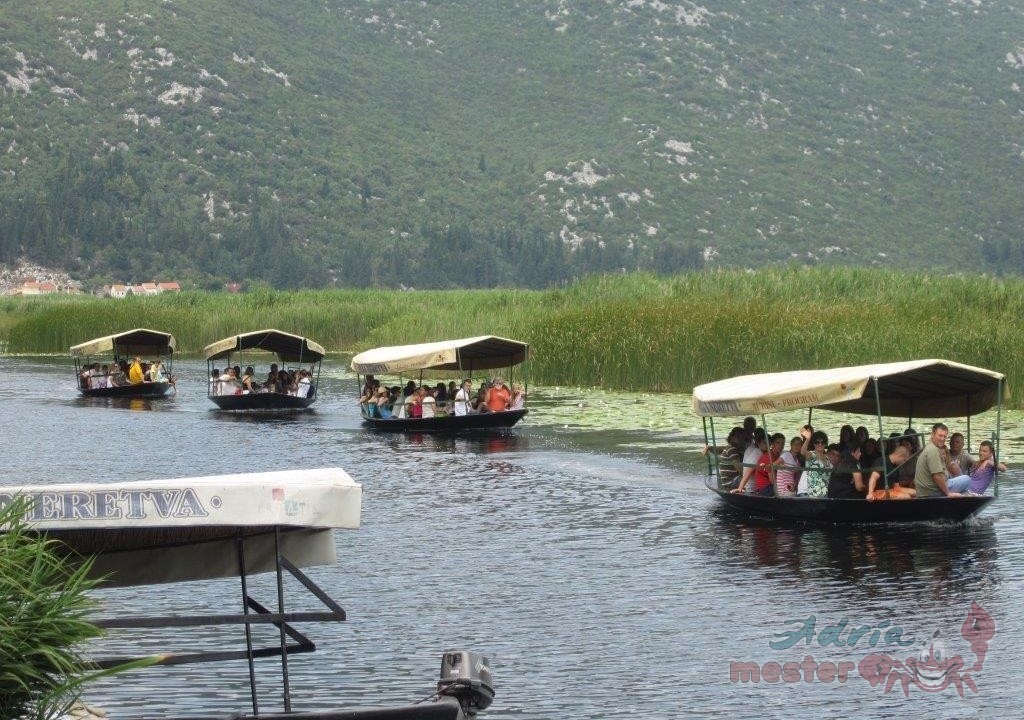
{"x":466,"y":143}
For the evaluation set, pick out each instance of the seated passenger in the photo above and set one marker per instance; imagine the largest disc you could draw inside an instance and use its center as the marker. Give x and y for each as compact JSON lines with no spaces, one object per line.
{"x":103,"y":379}
{"x":270,"y":384}
{"x":409,"y":389}
{"x":932,"y":466}
{"x":877,"y":487}
{"x":787,"y":468}
{"x":135,"y":374}
{"x":763,"y":470}
{"x":980,"y":477}
{"x":909,"y":440}
{"x":155,"y":372}
{"x":498,"y":396}
{"x":249,"y":380}
{"x":518,"y":401}
{"x":117,"y":378}
{"x":214,"y":383}
{"x":441,"y":393}
{"x":428,"y":405}
{"x":304,"y":384}
{"x":751,"y":455}
{"x":847,"y":481}
{"x":369,"y":387}
{"x":870,"y":454}
{"x":414,"y":405}
{"x":730,"y":459}
{"x":960,"y":461}
{"x":817,"y":463}
{"x":229,"y":384}
{"x":479,"y":403}
{"x":384,"y":403}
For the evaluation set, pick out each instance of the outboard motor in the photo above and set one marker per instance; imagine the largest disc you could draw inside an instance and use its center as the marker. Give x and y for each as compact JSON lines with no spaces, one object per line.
{"x":466,"y":676}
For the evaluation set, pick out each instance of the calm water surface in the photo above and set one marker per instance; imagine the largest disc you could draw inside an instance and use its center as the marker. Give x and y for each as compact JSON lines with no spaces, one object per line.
{"x":581,"y":552}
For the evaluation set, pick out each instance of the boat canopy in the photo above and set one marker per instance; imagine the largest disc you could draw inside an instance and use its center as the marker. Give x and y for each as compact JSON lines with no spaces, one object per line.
{"x":467,"y":354}
{"x":145,"y":532}
{"x":288,"y":347}
{"x":139,"y":341}
{"x":917,"y":388}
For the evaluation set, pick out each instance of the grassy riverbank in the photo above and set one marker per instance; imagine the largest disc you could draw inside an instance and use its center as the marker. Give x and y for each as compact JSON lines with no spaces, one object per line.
{"x":635,"y":332}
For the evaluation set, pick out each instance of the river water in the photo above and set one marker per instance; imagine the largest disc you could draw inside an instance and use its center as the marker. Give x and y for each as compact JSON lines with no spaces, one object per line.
{"x":580,"y":552}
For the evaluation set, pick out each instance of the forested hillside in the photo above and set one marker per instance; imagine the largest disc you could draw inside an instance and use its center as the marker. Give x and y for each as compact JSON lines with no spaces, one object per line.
{"x":465,"y":143}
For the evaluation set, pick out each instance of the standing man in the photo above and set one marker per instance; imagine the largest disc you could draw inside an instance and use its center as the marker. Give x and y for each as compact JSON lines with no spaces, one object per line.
{"x":931,"y":473}
{"x":462,"y":398}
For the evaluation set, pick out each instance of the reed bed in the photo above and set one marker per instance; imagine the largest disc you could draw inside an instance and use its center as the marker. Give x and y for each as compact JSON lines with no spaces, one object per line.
{"x":631,"y":332}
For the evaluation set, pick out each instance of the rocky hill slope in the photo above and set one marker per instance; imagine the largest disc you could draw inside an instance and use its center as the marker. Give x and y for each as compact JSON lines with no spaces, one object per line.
{"x":454,"y":143}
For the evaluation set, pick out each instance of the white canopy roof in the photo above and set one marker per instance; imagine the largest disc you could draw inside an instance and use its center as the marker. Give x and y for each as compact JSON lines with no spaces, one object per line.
{"x":139,"y":341}
{"x":288,"y":347}
{"x":185,"y":529}
{"x":918,"y":388}
{"x":467,"y":355}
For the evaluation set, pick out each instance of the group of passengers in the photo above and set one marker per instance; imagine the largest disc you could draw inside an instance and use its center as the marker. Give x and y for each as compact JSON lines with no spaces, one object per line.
{"x":901,"y":466}
{"x":232,"y":381}
{"x":441,"y":400}
{"x":97,"y":377}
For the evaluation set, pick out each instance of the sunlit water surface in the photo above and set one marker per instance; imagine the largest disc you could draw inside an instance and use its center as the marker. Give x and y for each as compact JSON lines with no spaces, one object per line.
{"x":581,"y":552}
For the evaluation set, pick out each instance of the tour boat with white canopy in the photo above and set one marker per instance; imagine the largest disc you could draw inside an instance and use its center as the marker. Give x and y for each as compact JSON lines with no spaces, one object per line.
{"x":259,"y":349}
{"x":917,"y":389}
{"x":109,"y":378}
{"x":238,"y":525}
{"x":460,"y":359}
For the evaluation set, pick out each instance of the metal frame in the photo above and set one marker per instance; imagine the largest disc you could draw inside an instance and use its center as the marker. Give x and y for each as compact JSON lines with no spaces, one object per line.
{"x":253,"y":613}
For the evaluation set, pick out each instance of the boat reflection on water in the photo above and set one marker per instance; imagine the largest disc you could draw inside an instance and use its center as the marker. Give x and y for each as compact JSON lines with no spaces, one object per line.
{"x":862,"y":557}
{"x":125,"y":403}
{"x":269,"y":417}
{"x":473,"y":443}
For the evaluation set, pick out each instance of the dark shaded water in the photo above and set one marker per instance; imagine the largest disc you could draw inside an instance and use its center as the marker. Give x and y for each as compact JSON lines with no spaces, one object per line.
{"x":581,"y":552}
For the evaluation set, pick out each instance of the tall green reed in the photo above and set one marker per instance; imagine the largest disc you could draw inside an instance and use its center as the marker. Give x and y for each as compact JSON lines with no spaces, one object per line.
{"x":635,"y":331}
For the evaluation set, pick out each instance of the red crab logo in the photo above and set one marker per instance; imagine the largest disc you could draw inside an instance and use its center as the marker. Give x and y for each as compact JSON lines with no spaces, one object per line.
{"x":933,"y":670}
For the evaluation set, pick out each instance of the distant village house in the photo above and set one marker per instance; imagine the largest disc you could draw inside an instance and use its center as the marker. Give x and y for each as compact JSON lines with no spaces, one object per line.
{"x":40,"y":287}
{"x":121,"y":291}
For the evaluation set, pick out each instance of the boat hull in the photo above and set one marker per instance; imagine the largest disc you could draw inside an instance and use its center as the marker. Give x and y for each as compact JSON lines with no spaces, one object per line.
{"x":827,"y":510}
{"x":449,"y":423}
{"x":261,"y":401}
{"x":145,"y":390}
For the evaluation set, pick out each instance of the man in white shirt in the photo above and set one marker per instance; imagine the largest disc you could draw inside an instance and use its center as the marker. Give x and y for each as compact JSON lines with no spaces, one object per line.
{"x":229,"y":384}
{"x":462,"y":398}
{"x":304,"y":384}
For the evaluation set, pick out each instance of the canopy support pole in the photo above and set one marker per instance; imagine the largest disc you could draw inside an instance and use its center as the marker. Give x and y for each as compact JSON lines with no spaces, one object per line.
{"x":999,"y":423}
{"x":881,"y":434}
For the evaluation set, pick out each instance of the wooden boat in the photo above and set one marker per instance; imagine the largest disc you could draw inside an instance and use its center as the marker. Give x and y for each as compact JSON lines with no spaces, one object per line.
{"x":921,"y":388}
{"x":123,"y":348}
{"x":462,"y":358}
{"x":198,"y":528}
{"x":291,"y":351}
